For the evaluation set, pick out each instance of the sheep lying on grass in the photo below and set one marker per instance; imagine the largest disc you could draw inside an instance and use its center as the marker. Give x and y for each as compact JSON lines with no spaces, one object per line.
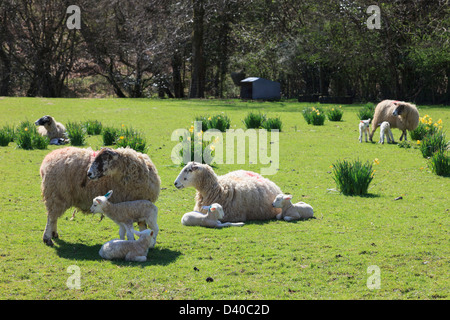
{"x":401,"y":115}
{"x":385,"y":130}
{"x":55,"y":131}
{"x":364,"y":128}
{"x":126,"y":213}
{"x":244,"y":195}
{"x":290,"y":211}
{"x":210,"y":220}
{"x":129,"y":250}
{"x":72,"y":177}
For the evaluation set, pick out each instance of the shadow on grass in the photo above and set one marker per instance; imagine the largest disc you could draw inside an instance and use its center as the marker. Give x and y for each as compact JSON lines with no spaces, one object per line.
{"x":80,"y":251}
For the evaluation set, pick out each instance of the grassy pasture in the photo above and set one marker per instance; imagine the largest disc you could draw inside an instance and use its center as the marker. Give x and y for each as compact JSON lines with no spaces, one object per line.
{"x":325,"y":258}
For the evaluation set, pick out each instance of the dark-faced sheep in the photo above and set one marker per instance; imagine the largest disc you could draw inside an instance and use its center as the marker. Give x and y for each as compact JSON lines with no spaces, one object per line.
{"x":49,"y":127}
{"x":401,"y":115}
{"x":72,"y":177}
{"x":244,"y":195}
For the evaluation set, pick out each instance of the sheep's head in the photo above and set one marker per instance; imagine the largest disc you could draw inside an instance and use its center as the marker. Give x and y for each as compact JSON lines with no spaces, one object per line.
{"x":99,"y":202}
{"x":280,"y":200}
{"x":402,"y":108}
{"x":216,"y":211}
{"x":186,"y":178}
{"x":44,"y":121}
{"x":365,"y":123}
{"x":103,"y":164}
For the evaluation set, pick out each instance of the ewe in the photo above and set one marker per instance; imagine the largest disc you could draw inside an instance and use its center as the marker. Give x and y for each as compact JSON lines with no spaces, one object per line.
{"x":363,"y":128}
{"x":72,"y":177}
{"x":129,"y":250}
{"x":210,"y":220}
{"x":126,"y":213}
{"x":290,"y":211}
{"x":401,"y":115}
{"x":48,"y":127}
{"x":244,"y":195}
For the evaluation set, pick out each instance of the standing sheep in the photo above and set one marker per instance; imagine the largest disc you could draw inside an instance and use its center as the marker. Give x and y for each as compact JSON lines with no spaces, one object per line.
{"x":364,"y":128}
{"x":125,"y":213}
{"x":129,"y":250}
{"x":290,"y":211}
{"x":72,"y":177}
{"x":49,"y":127}
{"x":385,"y":131}
{"x":401,"y":115}
{"x":209,"y":220}
{"x":244,"y":195}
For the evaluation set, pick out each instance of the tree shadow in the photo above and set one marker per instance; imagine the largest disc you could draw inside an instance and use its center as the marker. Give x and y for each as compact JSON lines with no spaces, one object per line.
{"x":80,"y":251}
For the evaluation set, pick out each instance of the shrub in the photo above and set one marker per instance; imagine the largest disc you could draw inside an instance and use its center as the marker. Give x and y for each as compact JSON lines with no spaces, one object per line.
{"x":28,"y":138}
{"x":432,"y":143}
{"x":366,"y":111}
{"x":314,"y":116}
{"x":6,"y":135}
{"x":93,"y":127}
{"x":254,"y":120}
{"x":440,"y":163}
{"x":335,"y":114}
{"x":131,"y":138}
{"x":76,"y":132}
{"x":110,"y":135}
{"x":353,"y":178}
{"x":204,"y":145}
{"x":219,"y":122}
{"x":272,"y":123}
{"x":425,"y":127}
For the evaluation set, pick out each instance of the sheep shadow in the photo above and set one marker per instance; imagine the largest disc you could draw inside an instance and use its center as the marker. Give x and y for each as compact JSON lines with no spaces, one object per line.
{"x":80,"y":251}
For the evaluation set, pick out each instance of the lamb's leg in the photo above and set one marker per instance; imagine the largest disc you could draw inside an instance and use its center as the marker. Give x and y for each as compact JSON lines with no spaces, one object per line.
{"x":129,"y":230}
{"x":152,"y":225}
{"x":131,"y":257}
{"x":229,"y":224}
{"x":287,"y":218}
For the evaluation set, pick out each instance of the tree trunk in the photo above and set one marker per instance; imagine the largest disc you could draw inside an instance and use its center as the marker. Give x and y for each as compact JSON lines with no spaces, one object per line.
{"x":198,"y":62}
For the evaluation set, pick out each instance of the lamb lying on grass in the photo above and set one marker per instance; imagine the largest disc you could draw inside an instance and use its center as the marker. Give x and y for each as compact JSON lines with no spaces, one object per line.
{"x":290,"y":211}
{"x":364,"y":128}
{"x":210,"y":220}
{"x":385,"y":130}
{"x":125,"y":213}
{"x":129,"y":250}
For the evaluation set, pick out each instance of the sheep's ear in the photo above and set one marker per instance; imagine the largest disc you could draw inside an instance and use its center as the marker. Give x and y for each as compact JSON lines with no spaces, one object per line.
{"x":108,"y":194}
{"x":194,"y":166}
{"x":98,"y":201}
{"x":151,"y":233}
{"x":213,"y":209}
{"x":288,"y":197}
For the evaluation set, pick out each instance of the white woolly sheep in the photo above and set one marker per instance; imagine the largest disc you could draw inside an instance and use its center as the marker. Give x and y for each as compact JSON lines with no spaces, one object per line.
{"x":49,"y":127}
{"x":129,"y":250}
{"x":72,"y":177}
{"x":364,"y":128}
{"x":126,"y":213}
{"x":290,"y":211}
{"x":401,"y":115}
{"x":385,"y":130}
{"x":244,"y":195}
{"x":210,"y":220}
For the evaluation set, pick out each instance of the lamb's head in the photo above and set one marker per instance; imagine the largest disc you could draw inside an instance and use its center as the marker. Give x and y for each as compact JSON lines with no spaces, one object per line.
{"x":187,"y":176}
{"x":103,"y":164}
{"x":99,"y":203}
{"x":364,"y":123}
{"x":216,"y":211}
{"x":44,"y":121}
{"x":280,"y":200}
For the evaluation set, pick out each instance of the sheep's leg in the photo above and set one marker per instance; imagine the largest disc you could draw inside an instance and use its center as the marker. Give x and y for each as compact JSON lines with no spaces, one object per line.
{"x":152,"y":225}
{"x":374,"y":128}
{"x":129,"y":230}
{"x":122,"y":231}
{"x":391,"y":137}
{"x":55,"y":209}
{"x":287,"y":218}
{"x":130,"y":257}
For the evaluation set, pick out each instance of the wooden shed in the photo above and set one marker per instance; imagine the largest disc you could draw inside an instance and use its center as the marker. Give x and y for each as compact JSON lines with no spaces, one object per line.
{"x":260,"y":88}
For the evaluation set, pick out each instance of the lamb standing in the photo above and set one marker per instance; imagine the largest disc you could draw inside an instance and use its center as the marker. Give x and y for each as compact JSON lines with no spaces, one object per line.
{"x":385,"y":130}
{"x":129,"y":250}
{"x":72,"y":177}
{"x":49,"y":127}
{"x":364,"y":128}
{"x":126,"y":213}
{"x":210,"y":220}
{"x":401,"y":115}
{"x":244,"y":195}
{"x":290,"y":211}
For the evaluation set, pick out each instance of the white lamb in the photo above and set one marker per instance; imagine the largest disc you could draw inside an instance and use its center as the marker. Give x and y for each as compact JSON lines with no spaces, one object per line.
{"x":290,"y":211}
{"x":385,"y":130}
{"x":211,"y":219}
{"x":129,"y":250}
{"x":126,"y":213}
{"x":364,"y":128}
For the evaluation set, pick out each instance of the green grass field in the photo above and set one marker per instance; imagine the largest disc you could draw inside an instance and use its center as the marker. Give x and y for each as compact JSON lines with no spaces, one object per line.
{"x":324,"y":258}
